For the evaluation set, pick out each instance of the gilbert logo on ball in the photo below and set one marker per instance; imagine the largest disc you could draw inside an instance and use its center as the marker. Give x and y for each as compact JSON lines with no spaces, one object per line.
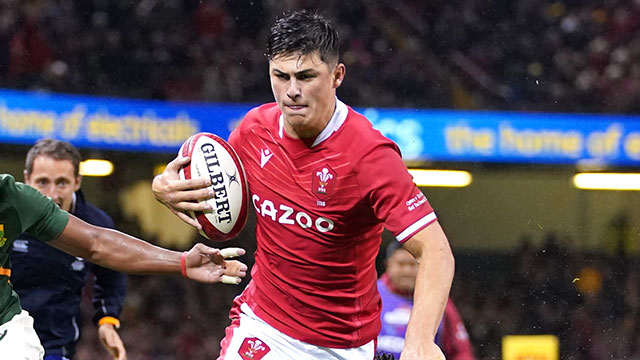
{"x":212,"y":157}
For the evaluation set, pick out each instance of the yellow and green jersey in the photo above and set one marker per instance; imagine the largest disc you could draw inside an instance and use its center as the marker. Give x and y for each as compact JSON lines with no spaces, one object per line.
{"x":22,"y":209}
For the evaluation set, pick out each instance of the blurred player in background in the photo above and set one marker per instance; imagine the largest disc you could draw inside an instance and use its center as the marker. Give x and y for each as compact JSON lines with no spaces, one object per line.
{"x":24,"y":209}
{"x":324,"y":183}
{"x":49,"y":281}
{"x":396,"y":287}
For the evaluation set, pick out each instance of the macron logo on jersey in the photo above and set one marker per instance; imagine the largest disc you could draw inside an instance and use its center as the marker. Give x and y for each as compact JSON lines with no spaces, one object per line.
{"x":265,"y":156}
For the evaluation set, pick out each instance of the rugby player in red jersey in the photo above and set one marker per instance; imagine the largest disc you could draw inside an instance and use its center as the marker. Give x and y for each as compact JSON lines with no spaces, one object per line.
{"x":324,"y":184}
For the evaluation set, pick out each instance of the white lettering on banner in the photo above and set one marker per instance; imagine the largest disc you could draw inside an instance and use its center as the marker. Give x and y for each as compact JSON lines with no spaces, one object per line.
{"x":268,"y":209}
{"x":538,"y":142}
{"x":463,"y":139}
{"x":632,"y":146}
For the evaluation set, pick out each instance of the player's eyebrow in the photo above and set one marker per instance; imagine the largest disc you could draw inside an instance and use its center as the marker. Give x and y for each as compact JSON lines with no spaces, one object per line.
{"x":301,"y":72}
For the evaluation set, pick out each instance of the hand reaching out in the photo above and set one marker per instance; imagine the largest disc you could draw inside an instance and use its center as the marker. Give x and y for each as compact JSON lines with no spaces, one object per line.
{"x":209,"y":265}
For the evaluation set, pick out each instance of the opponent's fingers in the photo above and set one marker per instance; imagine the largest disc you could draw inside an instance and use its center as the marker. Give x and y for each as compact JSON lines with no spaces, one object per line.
{"x":203,"y":249}
{"x":235,"y":268}
{"x":232,"y":252}
{"x":233,"y":280}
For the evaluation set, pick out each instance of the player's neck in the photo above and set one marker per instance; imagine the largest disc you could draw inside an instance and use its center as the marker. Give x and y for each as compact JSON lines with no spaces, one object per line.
{"x":310,"y":131}
{"x":303,"y":132}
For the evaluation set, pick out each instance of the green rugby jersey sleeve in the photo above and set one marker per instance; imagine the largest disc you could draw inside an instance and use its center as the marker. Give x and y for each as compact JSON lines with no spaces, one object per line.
{"x":39,"y":215}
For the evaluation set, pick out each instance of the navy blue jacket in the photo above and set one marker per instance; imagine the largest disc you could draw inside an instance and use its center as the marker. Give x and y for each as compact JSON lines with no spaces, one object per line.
{"x":50,"y":284}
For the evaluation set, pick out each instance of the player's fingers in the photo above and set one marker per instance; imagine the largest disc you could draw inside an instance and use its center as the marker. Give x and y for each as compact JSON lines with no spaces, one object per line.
{"x":122,"y":353}
{"x":191,"y":195}
{"x":188,"y":219}
{"x":178,"y":162}
{"x":189,"y":184}
{"x":113,"y":351}
{"x":192,"y":206}
{"x":232,"y":252}
{"x":233,"y":280}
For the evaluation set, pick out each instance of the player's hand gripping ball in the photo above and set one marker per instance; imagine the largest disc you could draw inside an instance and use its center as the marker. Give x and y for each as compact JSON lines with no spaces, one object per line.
{"x":212,"y":157}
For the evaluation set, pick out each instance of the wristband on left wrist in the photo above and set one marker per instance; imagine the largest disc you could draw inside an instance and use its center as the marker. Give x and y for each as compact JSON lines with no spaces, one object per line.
{"x":109,"y":320}
{"x":183,"y":264}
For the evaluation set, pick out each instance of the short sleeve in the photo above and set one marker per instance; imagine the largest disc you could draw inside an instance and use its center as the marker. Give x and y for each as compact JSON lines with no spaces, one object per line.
{"x":39,"y":215}
{"x":395,"y":199}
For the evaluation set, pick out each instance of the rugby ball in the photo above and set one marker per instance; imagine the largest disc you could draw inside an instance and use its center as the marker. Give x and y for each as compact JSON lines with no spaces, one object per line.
{"x":212,"y":157}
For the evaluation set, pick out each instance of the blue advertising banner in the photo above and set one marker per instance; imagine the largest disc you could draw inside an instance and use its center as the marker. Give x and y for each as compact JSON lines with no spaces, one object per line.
{"x":485,"y":136}
{"x":110,"y":123}
{"x":434,"y":135}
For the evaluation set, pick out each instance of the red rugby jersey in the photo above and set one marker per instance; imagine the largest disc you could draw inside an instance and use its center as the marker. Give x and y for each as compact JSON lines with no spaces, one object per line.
{"x":320,"y":209}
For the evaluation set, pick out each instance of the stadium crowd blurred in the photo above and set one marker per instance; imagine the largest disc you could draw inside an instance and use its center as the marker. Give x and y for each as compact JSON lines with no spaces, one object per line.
{"x":566,"y":55}
{"x":590,"y":301}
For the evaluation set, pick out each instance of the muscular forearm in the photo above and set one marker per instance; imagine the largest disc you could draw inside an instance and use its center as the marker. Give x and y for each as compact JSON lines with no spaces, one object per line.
{"x":435,"y":274}
{"x":122,"y":252}
{"x":431,"y":293}
{"x":116,"y":250}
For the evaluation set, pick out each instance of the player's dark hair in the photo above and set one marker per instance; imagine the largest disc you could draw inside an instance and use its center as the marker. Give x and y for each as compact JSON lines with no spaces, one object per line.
{"x":302,"y":32}
{"x":55,"y":149}
{"x":392,"y":247}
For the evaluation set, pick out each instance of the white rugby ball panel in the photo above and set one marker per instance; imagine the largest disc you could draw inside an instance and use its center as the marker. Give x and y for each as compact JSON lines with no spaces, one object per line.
{"x":213,"y":158}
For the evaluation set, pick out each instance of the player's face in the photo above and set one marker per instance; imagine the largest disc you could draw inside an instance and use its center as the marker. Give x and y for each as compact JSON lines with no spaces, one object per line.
{"x":55,"y":179}
{"x":304,"y":87}
{"x":403,"y":270}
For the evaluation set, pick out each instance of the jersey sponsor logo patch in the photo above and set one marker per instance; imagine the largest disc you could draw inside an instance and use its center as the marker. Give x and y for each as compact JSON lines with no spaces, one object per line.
{"x":253,"y":349}
{"x":323,"y":181}
{"x":265,"y":156}
{"x":287,"y":215}
{"x":2,"y":238}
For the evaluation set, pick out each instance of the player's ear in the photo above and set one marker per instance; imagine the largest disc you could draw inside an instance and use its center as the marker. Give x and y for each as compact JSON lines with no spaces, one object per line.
{"x":25,"y":174}
{"x":338,"y":74}
{"x":78,"y":183}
